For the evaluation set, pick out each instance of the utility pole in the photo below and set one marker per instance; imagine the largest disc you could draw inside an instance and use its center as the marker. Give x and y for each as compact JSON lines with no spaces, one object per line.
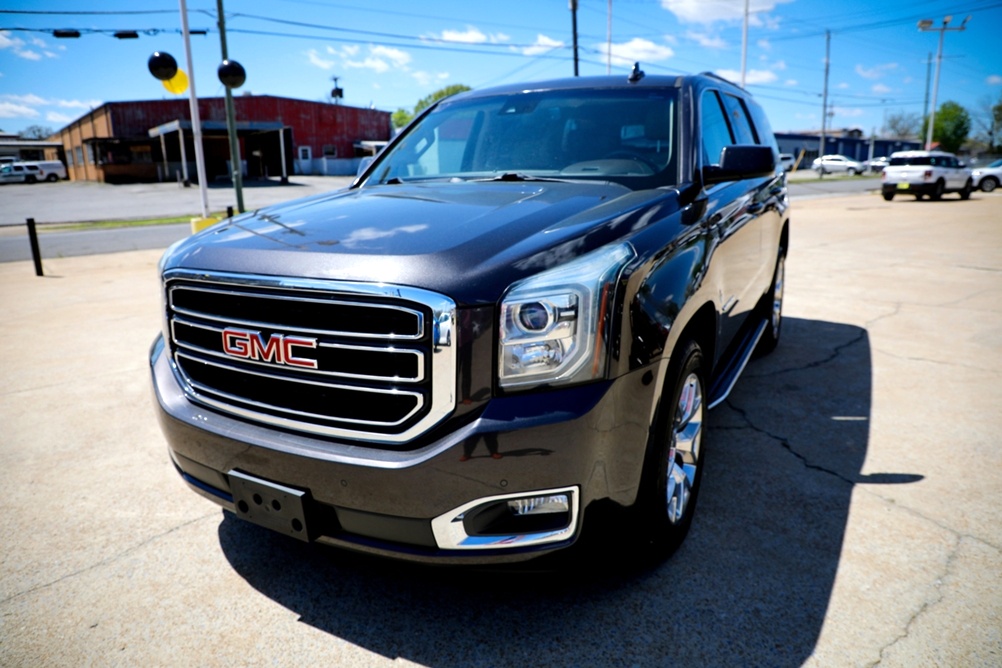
{"x":824,"y":97}
{"x":231,"y":120}
{"x":928,"y":78}
{"x":925,"y":25}
{"x":574,"y":29}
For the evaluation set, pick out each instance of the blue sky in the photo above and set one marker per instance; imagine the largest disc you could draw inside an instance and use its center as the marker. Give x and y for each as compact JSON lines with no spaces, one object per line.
{"x":390,"y":54}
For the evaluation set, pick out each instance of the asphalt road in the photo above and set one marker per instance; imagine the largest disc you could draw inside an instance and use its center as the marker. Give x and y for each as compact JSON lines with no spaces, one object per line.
{"x":850,"y":514}
{"x":83,"y":202}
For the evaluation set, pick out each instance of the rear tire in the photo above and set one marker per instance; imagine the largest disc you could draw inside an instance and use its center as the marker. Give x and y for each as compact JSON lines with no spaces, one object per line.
{"x":888,"y":197}
{"x":674,"y":465}
{"x":937,"y":194}
{"x":774,"y":302}
{"x":51,"y":178}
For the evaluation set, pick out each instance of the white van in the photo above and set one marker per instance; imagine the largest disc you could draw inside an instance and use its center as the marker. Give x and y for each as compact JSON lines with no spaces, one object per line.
{"x":49,"y":170}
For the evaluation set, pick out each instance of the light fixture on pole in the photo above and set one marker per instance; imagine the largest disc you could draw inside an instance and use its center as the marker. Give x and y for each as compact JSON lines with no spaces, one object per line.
{"x":926,"y":25}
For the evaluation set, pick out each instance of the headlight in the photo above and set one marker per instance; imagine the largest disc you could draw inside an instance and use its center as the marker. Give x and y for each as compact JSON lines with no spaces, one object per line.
{"x":552,"y":323}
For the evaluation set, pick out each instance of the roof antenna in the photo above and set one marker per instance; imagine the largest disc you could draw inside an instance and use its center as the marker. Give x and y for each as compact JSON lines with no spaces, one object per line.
{"x":637,"y":74}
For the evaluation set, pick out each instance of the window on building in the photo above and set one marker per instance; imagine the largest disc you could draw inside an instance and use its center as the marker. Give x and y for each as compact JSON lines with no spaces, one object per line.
{"x":305,"y":153}
{"x":79,"y":153}
{"x":330,"y":151}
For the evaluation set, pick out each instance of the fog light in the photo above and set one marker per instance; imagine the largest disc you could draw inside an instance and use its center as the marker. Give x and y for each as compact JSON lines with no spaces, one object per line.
{"x":540,"y":505}
{"x":508,"y":521}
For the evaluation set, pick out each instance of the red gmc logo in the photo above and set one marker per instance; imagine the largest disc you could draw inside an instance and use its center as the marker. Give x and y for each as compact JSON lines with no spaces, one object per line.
{"x":277,"y":349}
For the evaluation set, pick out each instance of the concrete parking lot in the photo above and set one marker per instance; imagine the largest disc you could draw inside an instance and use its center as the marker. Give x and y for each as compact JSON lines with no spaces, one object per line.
{"x":851,"y":513}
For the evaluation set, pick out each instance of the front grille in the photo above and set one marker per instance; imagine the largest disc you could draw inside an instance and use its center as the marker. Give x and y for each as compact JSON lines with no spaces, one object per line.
{"x":358,"y":361}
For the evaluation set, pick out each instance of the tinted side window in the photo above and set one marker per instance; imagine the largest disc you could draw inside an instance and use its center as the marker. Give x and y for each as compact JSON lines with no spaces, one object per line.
{"x":763,"y":130}
{"x":716,"y":131}
{"x":738,"y":116}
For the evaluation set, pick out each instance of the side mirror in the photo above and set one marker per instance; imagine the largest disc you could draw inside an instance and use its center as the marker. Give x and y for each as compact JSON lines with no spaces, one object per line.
{"x":364,"y":164}
{"x":741,"y":162}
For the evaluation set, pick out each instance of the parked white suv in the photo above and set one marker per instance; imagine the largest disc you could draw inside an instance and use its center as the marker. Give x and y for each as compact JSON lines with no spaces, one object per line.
{"x":828,"y":164}
{"x":922,"y":173}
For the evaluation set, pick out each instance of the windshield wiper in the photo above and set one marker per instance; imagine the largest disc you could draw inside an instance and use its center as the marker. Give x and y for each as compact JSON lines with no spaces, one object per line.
{"x":518,"y":176}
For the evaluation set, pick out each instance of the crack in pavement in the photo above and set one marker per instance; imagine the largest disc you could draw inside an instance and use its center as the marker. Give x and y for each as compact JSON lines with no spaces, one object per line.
{"x":107,"y":560}
{"x":925,"y":605}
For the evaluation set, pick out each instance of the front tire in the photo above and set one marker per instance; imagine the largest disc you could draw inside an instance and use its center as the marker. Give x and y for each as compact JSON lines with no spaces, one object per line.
{"x":852,"y":171}
{"x":888,"y":197}
{"x":989,"y":183}
{"x":675,"y":462}
{"x":966,"y":192}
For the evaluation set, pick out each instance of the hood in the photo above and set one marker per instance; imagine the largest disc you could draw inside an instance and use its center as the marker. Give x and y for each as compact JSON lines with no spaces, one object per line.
{"x":450,"y":237}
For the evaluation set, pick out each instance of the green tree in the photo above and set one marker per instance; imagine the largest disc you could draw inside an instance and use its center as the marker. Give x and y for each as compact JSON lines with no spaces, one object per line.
{"x":402,"y":117}
{"x":951,"y":127}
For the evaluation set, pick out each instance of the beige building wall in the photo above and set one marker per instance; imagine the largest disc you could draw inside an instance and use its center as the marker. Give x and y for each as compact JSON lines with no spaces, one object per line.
{"x":82,"y":161}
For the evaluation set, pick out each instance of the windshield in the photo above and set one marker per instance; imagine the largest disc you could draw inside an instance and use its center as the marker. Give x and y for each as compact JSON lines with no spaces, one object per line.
{"x":626,"y":135}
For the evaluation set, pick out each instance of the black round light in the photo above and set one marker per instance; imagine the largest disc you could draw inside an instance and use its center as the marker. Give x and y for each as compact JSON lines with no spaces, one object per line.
{"x":533,"y":317}
{"x":232,"y":74}
{"x":162,"y":65}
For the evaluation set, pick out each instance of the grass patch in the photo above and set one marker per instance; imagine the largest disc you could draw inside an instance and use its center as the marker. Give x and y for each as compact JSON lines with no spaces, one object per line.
{"x":135,"y":222}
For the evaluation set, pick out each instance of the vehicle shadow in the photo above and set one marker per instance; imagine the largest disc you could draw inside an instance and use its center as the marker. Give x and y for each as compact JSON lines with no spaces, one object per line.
{"x":750,"y":586}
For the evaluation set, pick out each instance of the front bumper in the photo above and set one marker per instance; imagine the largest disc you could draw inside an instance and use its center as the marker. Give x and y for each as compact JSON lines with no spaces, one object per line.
{"x":587,"y":442}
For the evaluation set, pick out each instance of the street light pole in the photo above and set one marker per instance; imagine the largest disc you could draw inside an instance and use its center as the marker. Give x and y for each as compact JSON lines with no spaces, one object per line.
{"x":196,"y":121}
{"x":925,"y":25}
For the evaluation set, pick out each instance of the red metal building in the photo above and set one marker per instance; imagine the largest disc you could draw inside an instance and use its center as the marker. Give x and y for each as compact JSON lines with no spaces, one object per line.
{"x":150,"y":140}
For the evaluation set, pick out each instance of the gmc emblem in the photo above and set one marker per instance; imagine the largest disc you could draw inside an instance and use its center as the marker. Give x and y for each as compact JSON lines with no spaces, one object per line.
{"x":277,"y":349}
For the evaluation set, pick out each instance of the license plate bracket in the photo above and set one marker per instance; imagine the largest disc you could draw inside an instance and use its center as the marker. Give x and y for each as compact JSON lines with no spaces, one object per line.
{"x":268,"y":504}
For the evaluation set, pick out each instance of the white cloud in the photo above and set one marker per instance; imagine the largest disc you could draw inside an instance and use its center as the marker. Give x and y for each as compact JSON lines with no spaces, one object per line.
{"x":994,"y":80}
{"x":875,"y":72}
{"x":843,"y":86}
{"x":701,"y":11}
{"x":706,"y":40}
{"x":426,"y":78}
{"x":316,"y":60}
{"x":30,"y":99}
{"x":790,"y":82}
{"x":397,"y":57}
{"x":471,"y":35}
{"x":751,"y":76}
{"x":38,"y":42}
{"x":76,"y":104}
{"x":764,"y":44}
{"x":56,"y":117}
{"x":28,"y":54}
{"x":636,"y":50}
{"x":542,"y":45}
{"x":346,"y":51}
{"x":12,"y":110}
{"x":8,"y":42}
{"x":880,"y":89}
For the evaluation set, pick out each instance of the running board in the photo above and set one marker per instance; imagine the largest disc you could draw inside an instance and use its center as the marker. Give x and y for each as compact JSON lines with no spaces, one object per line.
{"x":725,"y":382}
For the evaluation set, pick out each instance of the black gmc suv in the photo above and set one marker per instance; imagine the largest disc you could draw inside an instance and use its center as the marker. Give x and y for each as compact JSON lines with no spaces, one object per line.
{"x":521,"y":310}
